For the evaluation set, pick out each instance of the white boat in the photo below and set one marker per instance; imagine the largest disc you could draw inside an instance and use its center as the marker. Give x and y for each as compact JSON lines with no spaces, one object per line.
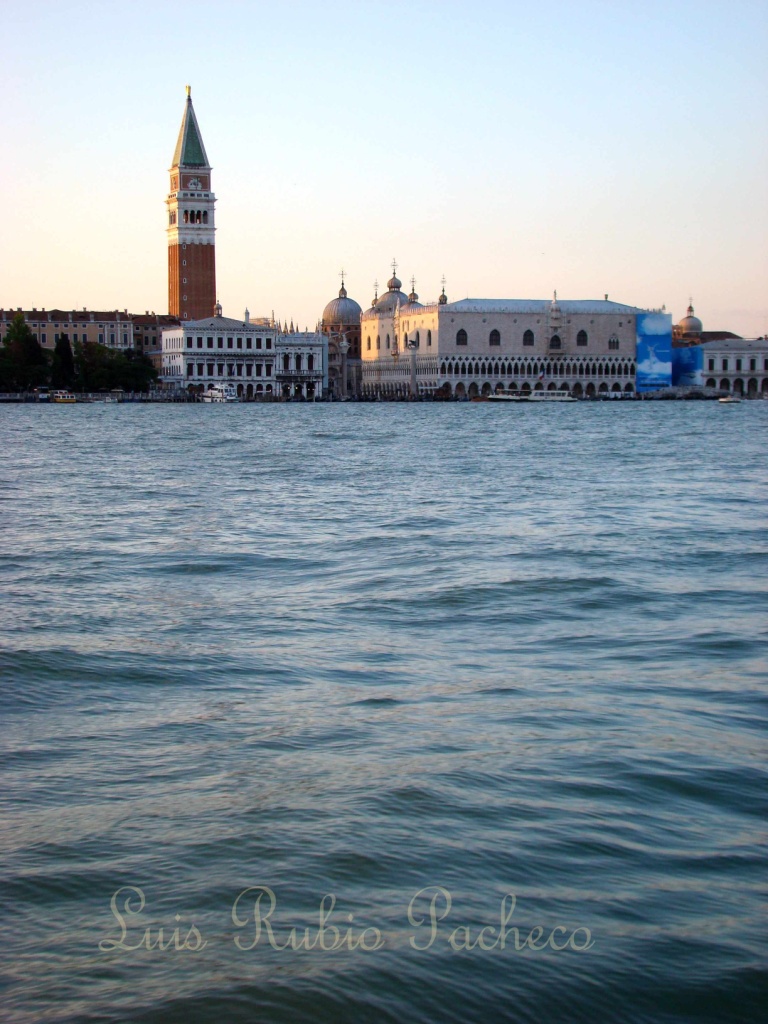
{"x":532,"y":396}
{"x":63,"y":397}
{"x":729,"y":400}
{"x":221,"y":393}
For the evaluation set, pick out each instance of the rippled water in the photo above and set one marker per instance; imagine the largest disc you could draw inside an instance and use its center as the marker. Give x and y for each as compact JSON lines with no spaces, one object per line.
{"x":403,"y":656}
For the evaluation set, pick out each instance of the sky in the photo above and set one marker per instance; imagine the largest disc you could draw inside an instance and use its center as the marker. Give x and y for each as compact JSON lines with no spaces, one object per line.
{"x":514,"y":148}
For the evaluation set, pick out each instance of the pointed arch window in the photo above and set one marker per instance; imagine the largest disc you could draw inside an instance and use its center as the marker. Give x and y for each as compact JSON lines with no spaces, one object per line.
{"x":494,"y":337}
{"x":528,"y":338}
{"x":555,"y":342}
{"x":461,"y":336}
{"x":582,"y":338}
{"x":429,"y":338}
{"x":387,"y":341}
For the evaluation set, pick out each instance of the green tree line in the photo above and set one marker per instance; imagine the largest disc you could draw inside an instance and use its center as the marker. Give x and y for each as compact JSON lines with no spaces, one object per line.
{"x":25,"y":364}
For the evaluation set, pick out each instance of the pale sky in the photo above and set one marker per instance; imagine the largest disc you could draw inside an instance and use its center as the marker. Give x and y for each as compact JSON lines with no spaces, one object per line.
{"x":516,"y":148}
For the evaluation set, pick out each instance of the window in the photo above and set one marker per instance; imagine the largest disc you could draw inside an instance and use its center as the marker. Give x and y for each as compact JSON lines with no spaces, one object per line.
{"x":528,"y":338}
{"x":209,"y":342}
{"x":310,"y":362}
{"x":286,"y":363}
{"x":258,"y":369}
{"x":582,"y":338}
{"x":711,"y":364}
{"x":725,"y":364}
{"x":111,"y":338}
{"x":248,"y":343}
{"x":494,"y":338}
{"x":368,"y":345}
{"x":56,"y":337}
{"x":387,"y":341}
{"x":229,"y":343}
{"x":189,"y":343}
{"x":190,"y":368}
{"x":298,"y":363}
{"x":269,"y":367}
{"x":555,"y":342}
{"x":461,"y":336}
{"x":738,"y":361}
{"x":613,"y":344}
{"x":753,"y":364}
{"x":429,"y":338}
{"x":199,"y":342}
{"x":44,"y":338}
{"x":269,"y":343}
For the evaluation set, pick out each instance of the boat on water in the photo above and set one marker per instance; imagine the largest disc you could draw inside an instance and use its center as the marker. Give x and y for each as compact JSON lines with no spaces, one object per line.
{"x":221,"y":393}
{"x":532,"y":396}
{"x":63,"y":397}
{"x":729,"y":400}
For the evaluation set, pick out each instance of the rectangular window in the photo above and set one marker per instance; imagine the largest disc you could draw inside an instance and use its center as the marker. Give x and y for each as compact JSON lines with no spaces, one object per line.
{"x":209,"y":368}
{"x":239,"y":342}
{"x":248,"y":343}
{"x":239,"y":369}
{"x":258,"y":369}
{"x":111,"y":338}
{"x":711,"y":364}
{"x":125,"y":339}
{"x":753,"y":364}
{"x":258,"y":343}
{"x":199,"y":342}
{"x":248,"y":369}
{"x":220,"y":343}
{"x":220,"y":369}
{"x":725,"y":364}
{"x":43,"y":338}
{"x":269,"y":343}
{"x":189,"y":343}
{"x":738,"y":364}
{"x":229,"y":343}
{"x":55,"y":337}
{"x":190,"y":368}
{"x":269,"y":369}
{"x":209,"y":342}
{"x":74,"y":337}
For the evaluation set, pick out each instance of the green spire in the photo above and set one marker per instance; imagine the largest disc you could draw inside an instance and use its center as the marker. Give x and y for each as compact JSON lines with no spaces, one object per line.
{"x":189,"y":151}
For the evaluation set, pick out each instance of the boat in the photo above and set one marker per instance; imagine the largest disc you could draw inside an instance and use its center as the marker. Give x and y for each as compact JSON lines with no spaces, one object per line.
{"x":63,"y":397}
{"x":532,"y":396}
{"x":729,"y":400}
{"x":221,"y":393}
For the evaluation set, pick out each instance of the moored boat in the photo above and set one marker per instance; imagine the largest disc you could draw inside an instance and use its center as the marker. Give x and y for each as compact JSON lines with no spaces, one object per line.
{"x":532,"y":396}
{"x":63,"y":397}
{"x":221,"y":393}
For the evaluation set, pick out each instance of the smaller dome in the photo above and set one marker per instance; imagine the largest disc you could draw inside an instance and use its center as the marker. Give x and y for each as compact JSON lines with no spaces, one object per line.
{"x":690,"y":324}
{"x":443,"y":298}
{"x":394,"y":284}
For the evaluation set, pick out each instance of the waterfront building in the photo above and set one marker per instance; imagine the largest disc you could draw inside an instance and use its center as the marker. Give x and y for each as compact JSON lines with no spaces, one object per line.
{"x":480,"y":346}
{"x":191,"y":228}
{"x":301,"y":364}
{"x":340,"y":323}
{"x":218,"y":349}
{"x":114,"y":329}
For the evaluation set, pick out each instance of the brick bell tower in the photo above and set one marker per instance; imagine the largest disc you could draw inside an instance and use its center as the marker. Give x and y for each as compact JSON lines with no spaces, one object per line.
{"x":191,"y":228}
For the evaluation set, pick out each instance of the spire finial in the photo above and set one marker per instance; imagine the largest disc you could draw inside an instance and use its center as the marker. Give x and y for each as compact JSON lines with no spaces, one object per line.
{"x":413,"y":283}
{"x":394,"y":266}
{"x":189,"y":92}
{"x":555,"y":294}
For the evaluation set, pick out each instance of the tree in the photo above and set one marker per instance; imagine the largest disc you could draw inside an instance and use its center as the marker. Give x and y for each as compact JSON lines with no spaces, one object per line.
{"x":25,"y":362}
{"x":63,"y":366}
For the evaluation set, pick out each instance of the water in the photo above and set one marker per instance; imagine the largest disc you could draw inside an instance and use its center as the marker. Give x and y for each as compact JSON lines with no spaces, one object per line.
{"x":510,"y":658}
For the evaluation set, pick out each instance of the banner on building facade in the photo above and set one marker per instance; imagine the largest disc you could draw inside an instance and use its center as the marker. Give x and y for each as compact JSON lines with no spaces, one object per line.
{"x":654,"y":351}
{"x":688,"y":366}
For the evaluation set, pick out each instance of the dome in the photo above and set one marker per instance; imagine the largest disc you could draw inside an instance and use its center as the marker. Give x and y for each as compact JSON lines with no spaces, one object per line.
{"x":389,"y":301}
{"x":690,"y":324}
{"x":394,"y":283}
{"x":342,"y":310}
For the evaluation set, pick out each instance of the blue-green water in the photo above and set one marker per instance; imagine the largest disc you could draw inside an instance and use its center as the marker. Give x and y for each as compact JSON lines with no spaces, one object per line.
{"x":510,"y":658}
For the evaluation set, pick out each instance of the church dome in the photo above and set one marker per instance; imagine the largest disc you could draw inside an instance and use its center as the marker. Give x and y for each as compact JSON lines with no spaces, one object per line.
{"x":342,"y":310}
{"x":394,"y":283}
{"x":690,"y":324}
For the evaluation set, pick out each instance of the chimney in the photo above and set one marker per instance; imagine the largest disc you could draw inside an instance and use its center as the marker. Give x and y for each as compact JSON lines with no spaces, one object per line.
{"x":247,"y":317}
{"x":606,"y":296}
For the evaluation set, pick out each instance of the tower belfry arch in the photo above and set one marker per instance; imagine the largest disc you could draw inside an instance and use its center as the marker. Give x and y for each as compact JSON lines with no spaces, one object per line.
{"x":191,"y":225}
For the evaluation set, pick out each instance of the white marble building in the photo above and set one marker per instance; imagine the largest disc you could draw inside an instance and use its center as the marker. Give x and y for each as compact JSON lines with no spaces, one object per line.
{"x":301,"y":367}
{"x":479,"y":346}
{"x":219,"y":350}
{"x":739,"y":365}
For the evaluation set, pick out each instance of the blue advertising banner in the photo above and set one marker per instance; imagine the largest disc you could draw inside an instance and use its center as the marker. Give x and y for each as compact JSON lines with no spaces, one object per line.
{"x":688,"y":366}
{"x":654,"y":351}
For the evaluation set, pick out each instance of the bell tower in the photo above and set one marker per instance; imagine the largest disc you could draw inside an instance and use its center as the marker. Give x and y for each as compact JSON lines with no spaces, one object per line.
{"x":191,"y":228}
